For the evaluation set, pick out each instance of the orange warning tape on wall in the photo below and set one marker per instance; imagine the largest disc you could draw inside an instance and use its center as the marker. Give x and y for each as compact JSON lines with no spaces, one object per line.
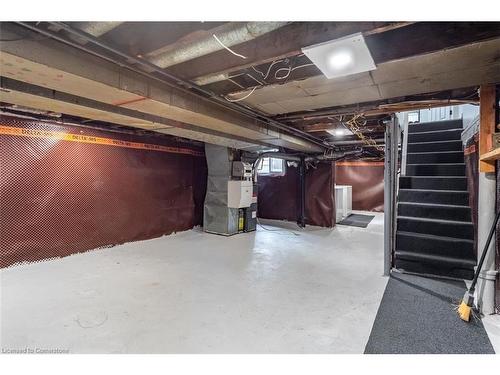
{"x":63,"y":136}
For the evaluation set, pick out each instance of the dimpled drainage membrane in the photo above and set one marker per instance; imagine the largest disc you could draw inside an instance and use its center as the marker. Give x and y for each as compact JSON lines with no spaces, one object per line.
{"x":67,"y":189}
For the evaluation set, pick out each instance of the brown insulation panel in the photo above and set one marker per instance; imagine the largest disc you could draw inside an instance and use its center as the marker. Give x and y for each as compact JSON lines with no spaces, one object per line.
{"x":367,"y":181}
{"x":279,"y":195}
{"x":67,"y":189}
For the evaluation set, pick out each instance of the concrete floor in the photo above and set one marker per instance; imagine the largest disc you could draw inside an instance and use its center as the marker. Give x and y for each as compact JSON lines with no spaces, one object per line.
{"x":491,"y":324}
{"x":316,"y":291}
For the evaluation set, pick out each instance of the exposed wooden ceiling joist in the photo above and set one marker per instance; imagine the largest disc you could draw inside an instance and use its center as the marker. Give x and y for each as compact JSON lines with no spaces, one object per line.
{"x":428,"y":100}
{"x":455,"y":68}
{"x":396,"y":43}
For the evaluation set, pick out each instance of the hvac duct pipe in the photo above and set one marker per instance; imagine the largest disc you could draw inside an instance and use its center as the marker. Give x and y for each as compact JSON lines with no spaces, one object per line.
{"x":97,"y":28}
{"x":171,"y":79}
{"x":297,"y":158}
{"x":218,"y":40}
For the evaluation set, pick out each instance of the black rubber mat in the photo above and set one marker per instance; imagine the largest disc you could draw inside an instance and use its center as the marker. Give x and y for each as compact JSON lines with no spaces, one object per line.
{"x":357,"y":220}
{"x":416,"y":316}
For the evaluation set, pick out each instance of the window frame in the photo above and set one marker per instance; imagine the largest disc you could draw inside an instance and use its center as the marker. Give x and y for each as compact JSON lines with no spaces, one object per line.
{"x":270,"y":171}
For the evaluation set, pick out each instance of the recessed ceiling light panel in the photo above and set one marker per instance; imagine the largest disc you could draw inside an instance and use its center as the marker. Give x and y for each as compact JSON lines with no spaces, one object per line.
{"x":341,"y":57}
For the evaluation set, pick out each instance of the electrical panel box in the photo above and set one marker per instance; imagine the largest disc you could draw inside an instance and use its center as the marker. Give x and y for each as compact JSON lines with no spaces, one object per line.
{"x":239,"y":193}
{"x":242,"y":169}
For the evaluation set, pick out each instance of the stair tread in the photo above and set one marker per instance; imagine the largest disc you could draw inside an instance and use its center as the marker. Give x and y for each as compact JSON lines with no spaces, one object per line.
{"x":438,"y":131}
{"x":438,"y":191}
{"x":435,"y":220}
{"x":438,"y":205}
{"x":435,"y":152}
{"x":437,"y":164}
{"x":438,"y":122}
{"x":441,"y":258}
{"x":434,"y":237}
{"x":426,"y":177}
{"x":452,"y":140}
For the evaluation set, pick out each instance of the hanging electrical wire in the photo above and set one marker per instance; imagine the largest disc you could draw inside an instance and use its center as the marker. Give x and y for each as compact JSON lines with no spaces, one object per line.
{"x":264,"y":76}
{"x":289,"y":71}
{"x":240,"y":99}
{"x":355,"y":127}
{"x":229,"y":49}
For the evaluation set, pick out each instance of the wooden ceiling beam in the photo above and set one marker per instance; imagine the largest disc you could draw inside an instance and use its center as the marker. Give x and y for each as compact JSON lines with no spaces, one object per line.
{"x":386,"y":106}
{"x":388,"y":44}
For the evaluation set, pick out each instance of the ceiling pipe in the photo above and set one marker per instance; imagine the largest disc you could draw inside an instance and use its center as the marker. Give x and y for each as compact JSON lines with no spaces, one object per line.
{"x":219,"y":38}
{"x":356,"y":142}
{"x":96,"y":28}
{"x":171,"y":80}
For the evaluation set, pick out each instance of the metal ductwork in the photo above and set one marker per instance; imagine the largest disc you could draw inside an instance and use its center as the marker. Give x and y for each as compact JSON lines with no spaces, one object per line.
{"x":97,"y":29}
{"x":228,"y":35}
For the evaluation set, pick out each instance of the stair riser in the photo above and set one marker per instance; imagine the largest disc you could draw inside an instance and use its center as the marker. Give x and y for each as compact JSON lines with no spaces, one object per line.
{"x":456,"y":230}
{"x":435,"y":212}
{"x":445,"y":197}
{"x":433,"y":269}
{"x":435,"y":147}
{"x":457,"y":248}
{"x":433,"y":183}
{"x":434,"y":126}
{"x":446,"y":135}
{"x":435,"y":170}
{"x":435,"y":158}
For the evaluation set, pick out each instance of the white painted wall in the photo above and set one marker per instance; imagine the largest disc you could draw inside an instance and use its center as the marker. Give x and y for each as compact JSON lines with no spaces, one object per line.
{"x":467,"y":112}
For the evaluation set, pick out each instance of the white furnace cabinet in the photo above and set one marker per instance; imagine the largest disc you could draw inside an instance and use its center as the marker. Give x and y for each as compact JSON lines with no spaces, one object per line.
{"x":239,"y":193}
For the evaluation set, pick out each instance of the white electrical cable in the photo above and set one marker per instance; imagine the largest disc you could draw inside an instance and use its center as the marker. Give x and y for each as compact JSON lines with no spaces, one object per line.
{"x":264,"y":76}
{"x":279,"y":231}
{"x":290,"y":70}
{"x":230,"y":50}
{"x":240,"y":99}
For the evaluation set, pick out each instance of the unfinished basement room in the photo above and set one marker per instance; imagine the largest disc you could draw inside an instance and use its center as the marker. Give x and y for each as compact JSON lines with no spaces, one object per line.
{"x":249,"y":187}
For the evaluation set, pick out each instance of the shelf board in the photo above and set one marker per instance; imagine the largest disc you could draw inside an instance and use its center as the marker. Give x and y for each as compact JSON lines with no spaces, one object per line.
{"x":491,"y":155}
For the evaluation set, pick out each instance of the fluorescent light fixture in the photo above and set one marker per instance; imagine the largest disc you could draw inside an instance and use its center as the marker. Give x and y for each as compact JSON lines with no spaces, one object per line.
{"x":341,"y":57}
{"x":339,"y":132}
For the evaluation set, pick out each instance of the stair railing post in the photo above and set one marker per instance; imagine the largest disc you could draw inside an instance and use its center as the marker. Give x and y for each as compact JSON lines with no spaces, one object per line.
{"x":390,"y":190}
{"x":387,"y":201}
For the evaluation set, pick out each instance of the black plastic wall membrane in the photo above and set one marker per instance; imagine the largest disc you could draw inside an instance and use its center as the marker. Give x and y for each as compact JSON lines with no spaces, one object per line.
{"x":367,"y":181}
{"x":67,"y":189}
{"x":497,"y":247}
{"x":279,"y":195}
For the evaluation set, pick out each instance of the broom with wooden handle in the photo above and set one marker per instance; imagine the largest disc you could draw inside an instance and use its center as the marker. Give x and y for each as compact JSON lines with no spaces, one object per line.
{"x":464,"y":309}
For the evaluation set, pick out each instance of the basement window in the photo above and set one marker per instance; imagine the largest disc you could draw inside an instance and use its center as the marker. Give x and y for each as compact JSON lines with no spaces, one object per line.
{"x":271,"y":166}
{"x":413,"y":117}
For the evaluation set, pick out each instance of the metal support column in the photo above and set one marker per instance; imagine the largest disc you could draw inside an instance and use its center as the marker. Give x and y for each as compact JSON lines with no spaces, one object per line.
{"x":302,"y":177}
{"x":390,"y":188}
